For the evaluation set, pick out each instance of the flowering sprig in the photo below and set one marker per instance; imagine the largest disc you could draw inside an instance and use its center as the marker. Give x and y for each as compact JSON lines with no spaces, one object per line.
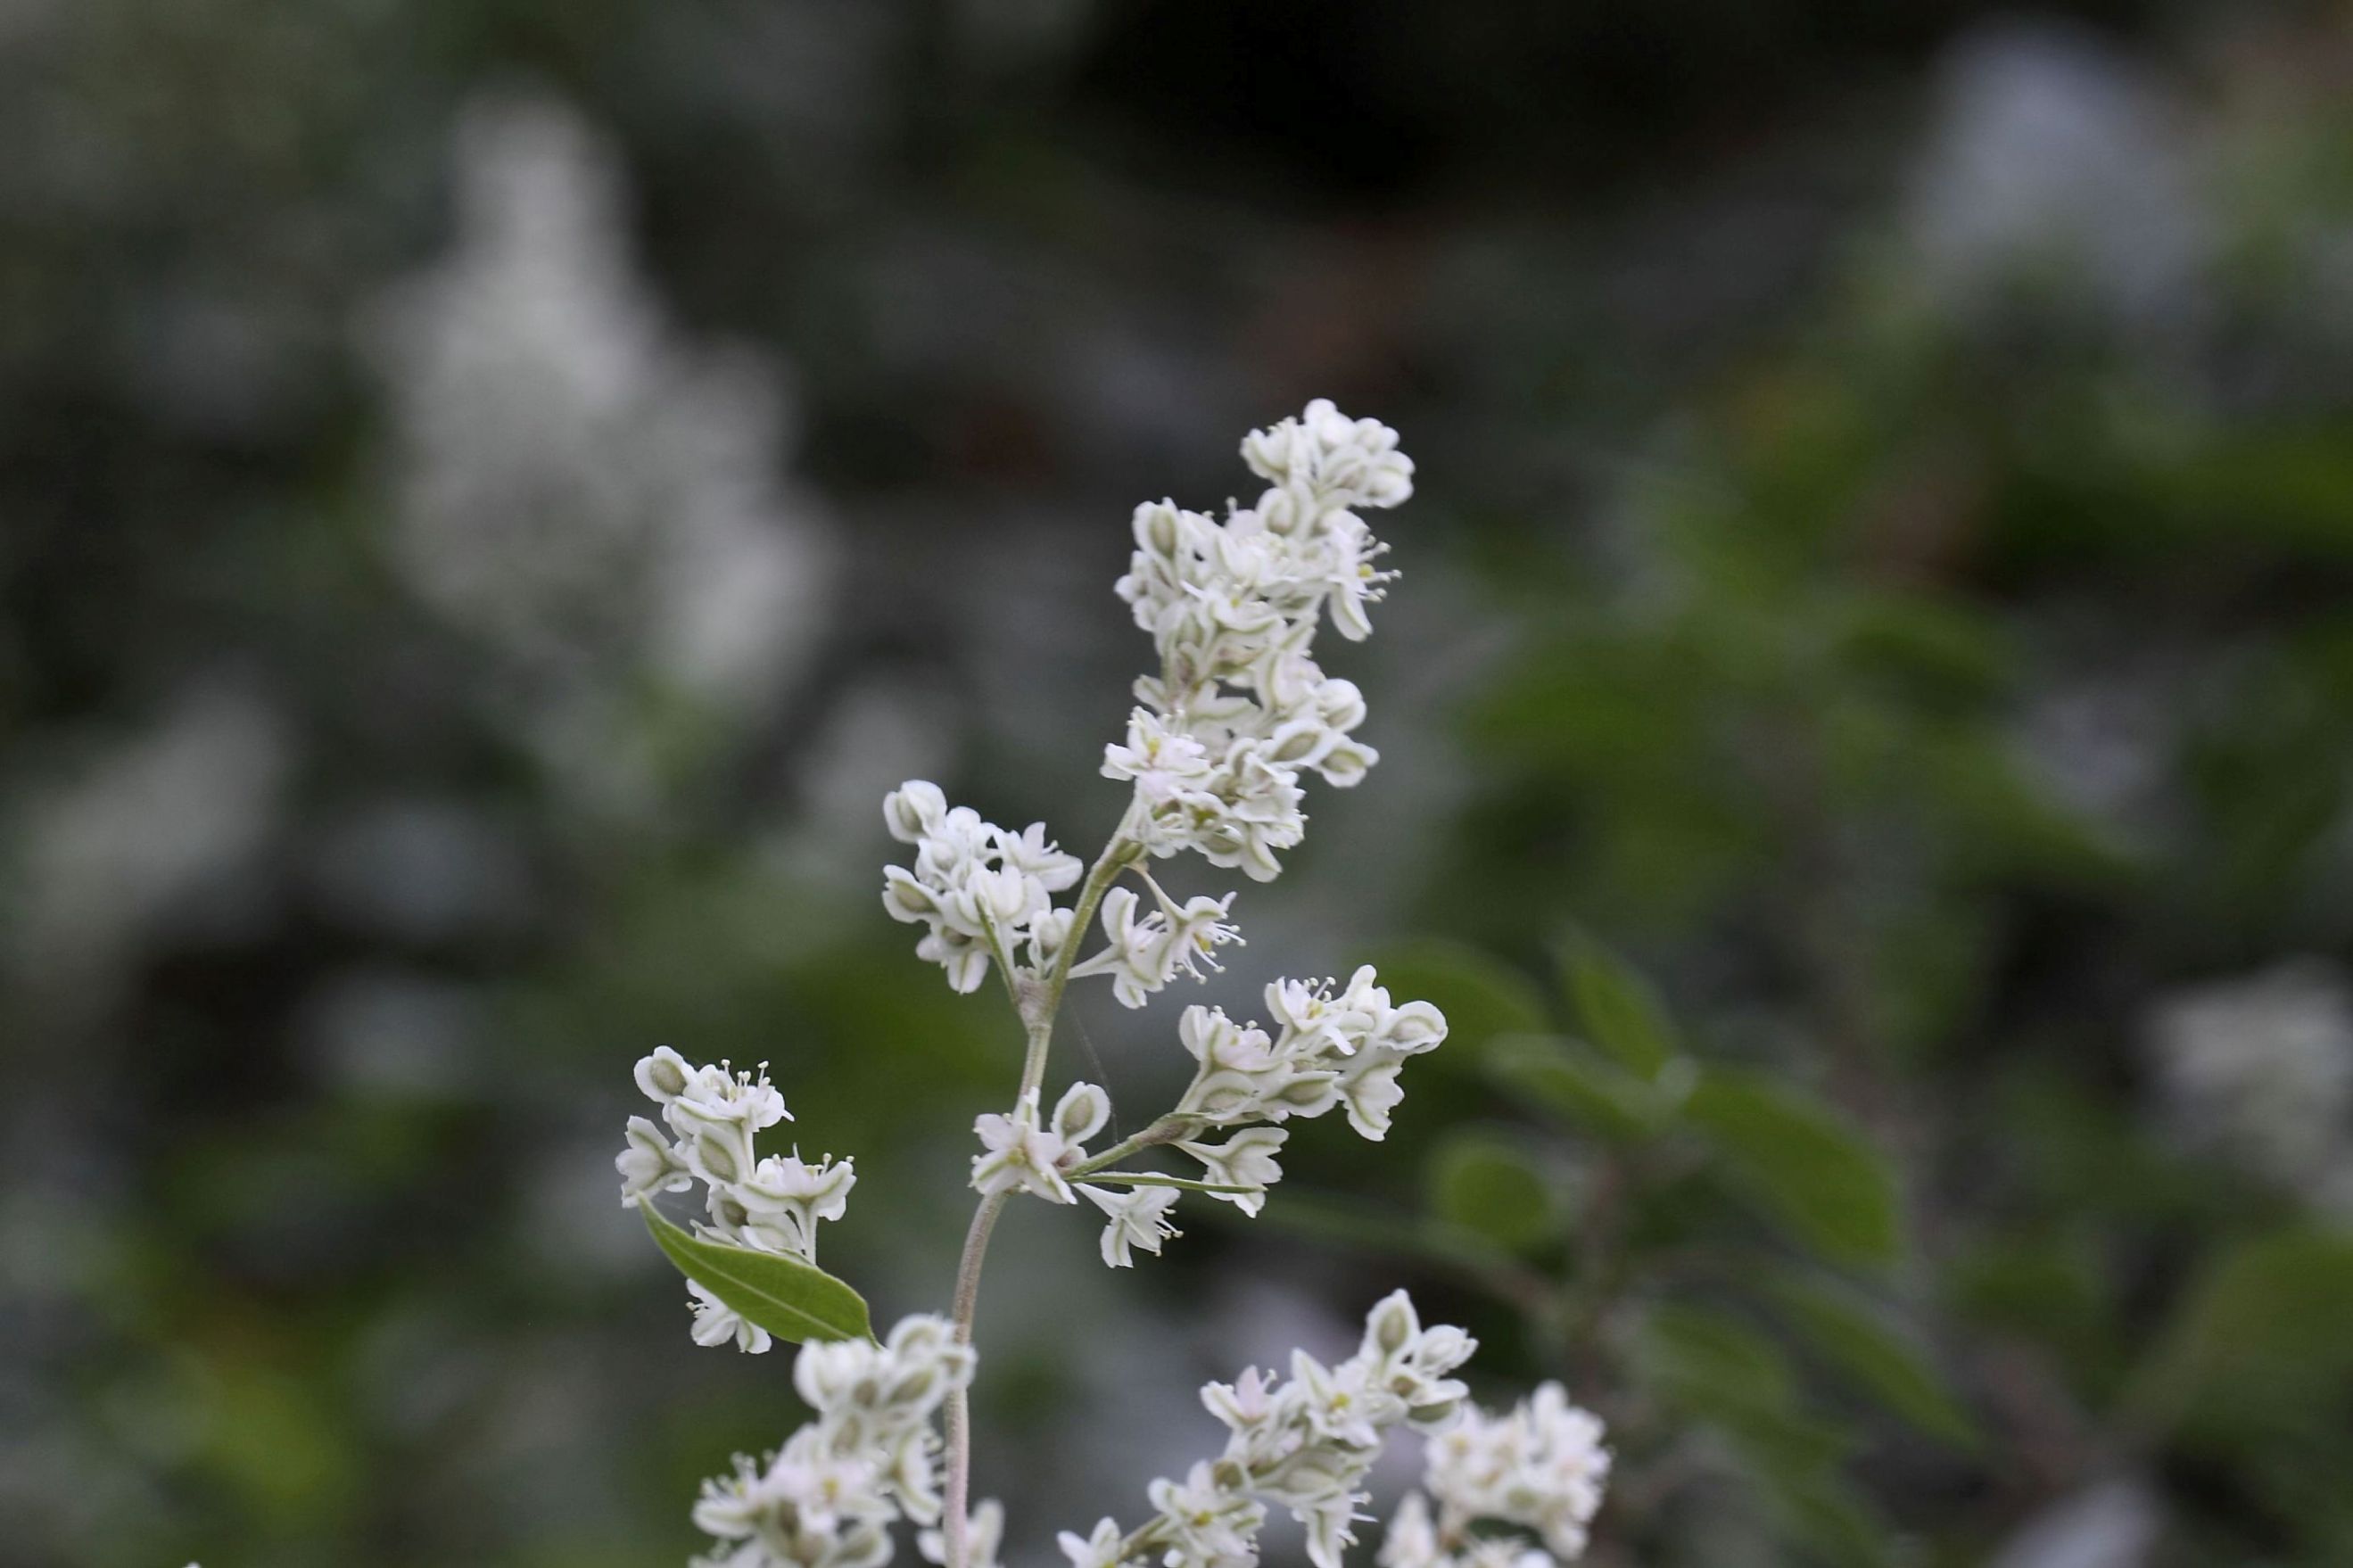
{"x":764,"y":1203}
{"x":1224,"y":731}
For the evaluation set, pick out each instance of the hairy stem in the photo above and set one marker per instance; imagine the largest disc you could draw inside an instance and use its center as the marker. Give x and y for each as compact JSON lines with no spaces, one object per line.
{"x":1037,"y":1004}
{"x":1040,"y":1008}
{"x":1169,"y":1129}
{"x":959,"y":1413}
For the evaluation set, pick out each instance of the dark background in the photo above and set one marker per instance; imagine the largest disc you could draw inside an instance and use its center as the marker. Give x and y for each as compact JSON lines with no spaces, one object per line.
{"x":492,"y":492}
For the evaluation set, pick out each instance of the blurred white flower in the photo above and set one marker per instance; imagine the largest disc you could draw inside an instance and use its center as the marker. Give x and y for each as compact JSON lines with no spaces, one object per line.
{"x":2054,"y":163}
{"x":2115,"y":1524}
{"x":140,"y":829}
{"x":2261,"y":1071}
{"x":574,"y":482}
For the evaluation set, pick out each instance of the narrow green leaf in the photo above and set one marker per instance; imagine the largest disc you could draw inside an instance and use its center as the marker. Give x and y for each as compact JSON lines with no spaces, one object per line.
{"x":1854,"y":1337}
{"x":1802,"y":1162}
{"x":1489,"y":1186}
{"x":792,"y":1299}
{"x":1620,"y":1013}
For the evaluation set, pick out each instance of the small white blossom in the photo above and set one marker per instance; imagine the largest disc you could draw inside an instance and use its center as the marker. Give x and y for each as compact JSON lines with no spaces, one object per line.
{"x":1139,"y":1218}
{"x":1144,"y":954}
{"x":1100,"y":1548}
{"x":1018,"y":1155}
{"x":984,"y":1537}
{"x":715,"y":1322}
{"x":649,"y":1165}
{"x":1245,"y":1160}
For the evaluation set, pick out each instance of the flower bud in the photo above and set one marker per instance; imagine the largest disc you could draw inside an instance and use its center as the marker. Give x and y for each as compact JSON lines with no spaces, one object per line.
{"x":663,"y":1075}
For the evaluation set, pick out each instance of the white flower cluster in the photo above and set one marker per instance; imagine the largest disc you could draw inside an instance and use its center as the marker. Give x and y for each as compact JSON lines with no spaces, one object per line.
{"x":772,"y":1202}
{"x":579,"y":483}
{"x":981,"y":890}
{"x":2259,"y":1070}
{"x":1343,"y":1050}
{"x":1239,"y":709}
{"x":829,"y":1497}
{"x":1541,"y":1467}
{"x":1306,"y":1444}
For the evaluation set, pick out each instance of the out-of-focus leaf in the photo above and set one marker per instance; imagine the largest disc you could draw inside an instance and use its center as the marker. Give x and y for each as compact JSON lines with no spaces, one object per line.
{"x":1488,"y":1186}
{"x":1480,"y":995}
{"x":2262,"y":1342}
{"x":1578,"y":1085}
{"x":1802,"y":1162}
{"x":1712,"y":1360}
{"x":1720,"y":1369}
{"x":1832,"y":1518}
{"x":792,"y":1299}
{"x":1619,"y":1011}
{"x":1855,"y":1339}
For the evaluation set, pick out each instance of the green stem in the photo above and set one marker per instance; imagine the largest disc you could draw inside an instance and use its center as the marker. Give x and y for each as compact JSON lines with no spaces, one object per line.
{"x":1169,"y":1129}
{"x":1154,"y":1179}
{"x":1043,"y":1004}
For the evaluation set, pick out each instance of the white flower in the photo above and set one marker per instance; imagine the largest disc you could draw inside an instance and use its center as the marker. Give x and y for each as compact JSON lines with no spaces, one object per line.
{"x":1138,"y":1218}
{"x":1017,"y":1154}
{"x":1079,"y":1115}
{"x":1246,"y":1160}
{"x":1412,"y":1540}
{"x":984,"y":1537}
{"x":649,"y":1165}
{"x":1541,"y":1466}
{"x":1100,"y":1549}
{"x":783,"y":1187}
{"x":1167,"y":765}
{"x":715,"y":1322}
{"x":2259,"y":1070}
{"x":1144,"y":954}
{"x":1208,"y":1524}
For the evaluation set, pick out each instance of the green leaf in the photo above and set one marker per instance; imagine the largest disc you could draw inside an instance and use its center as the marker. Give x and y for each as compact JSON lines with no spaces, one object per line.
{"x":1722,"y":1369}
{"x":1480,"y":995}
{"x":1488,"y":1186}
{"x":1802,"y":1163}
{"x":792,"y":1299}
{"x":1576,"y":1085}
{"x":1620,"y":1012}
{"x":1852,"y":1336}
{"x":1715,"y":1363}
{"x":2259,"y":1346}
